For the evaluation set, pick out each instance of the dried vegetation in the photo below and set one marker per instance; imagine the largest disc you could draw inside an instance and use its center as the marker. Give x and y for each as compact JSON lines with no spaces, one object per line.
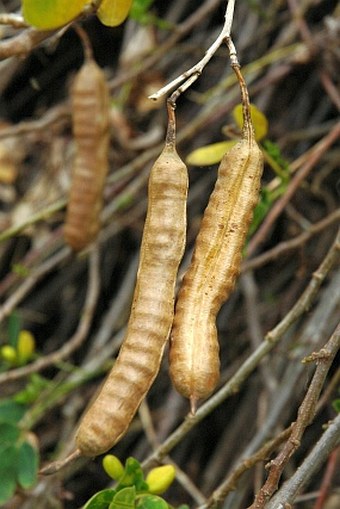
{"x":287,"y":300}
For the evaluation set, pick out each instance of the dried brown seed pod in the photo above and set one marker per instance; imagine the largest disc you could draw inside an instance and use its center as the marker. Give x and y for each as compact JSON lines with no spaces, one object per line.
{"x":215,"y":265}
{"x":152,"y":310}
{"x":90,"y":114}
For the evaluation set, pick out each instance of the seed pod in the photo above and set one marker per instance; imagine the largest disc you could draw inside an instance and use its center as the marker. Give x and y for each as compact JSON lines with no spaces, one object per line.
{"x":215,"y":265}
{"x":152,"y":309}
{"x":90,"y":114}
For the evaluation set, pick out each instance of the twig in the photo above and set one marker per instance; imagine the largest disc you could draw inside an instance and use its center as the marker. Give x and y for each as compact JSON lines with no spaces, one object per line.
{"x":31,"y":280}
{"x":23,"y":43}
{"x":14,"y":20}
{"x":191,"y":75}
{"x":270,"y":340}
{"x":79,"y":336}
{"x":331,"y":89}
{"x":327,"y":479}
{"x":318,"y":151}
{"x":59,"y":113}
{"x":306,"y":412}
{"x":41,"y":215}
{"x":288,"y":245}
{"x":181,"y":476}
{"x":320,"y":452}
{"x":182,"y":29}
{"x":250,"y":292}
{"x":229,"y":483}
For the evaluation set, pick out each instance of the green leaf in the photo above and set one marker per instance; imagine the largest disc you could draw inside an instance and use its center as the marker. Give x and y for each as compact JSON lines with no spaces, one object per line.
{"x":113,"y":12}
{"x":336,"y":405}
{"x":11,"y":411}
{"x":140,"y":8}
{"x":9,"y":433}
{"x":124,"y":499}
{"x":50,"y":14}
{"x":14,"y":326}
{"x":209,"y":154}
{"x":27,"y":465}
{"x":20,"y":270}
{"x":274,"y":153}
{"x":133,"y":476}
{"x":259,"y":120}
{"x":100,"y":500}
{"x":33,"y":389}
{"x":151,"y":502}
{"x":8,"y":462}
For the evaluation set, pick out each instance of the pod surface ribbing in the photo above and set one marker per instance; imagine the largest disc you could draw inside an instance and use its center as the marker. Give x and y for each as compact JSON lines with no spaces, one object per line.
{"x":90,"y":114}
{"x":215,"y":265}
{"x":152,"y":310}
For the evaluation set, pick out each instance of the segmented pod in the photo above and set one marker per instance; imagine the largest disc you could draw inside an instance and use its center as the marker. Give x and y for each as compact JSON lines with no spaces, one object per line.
{"x":215,"y":265}
{"x":152,"y":310}
{"x":90,"y":114}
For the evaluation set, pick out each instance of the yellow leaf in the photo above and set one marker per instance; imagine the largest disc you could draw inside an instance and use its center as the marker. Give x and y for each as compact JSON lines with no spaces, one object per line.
{"x":113,"y":12}
{"x":160,"y":478}
{"x":8,"y":353}
{"x":25,"y":346}
{"x":260,"y":121}
{"x":50,"y":14}
{"x":113,"y":466}
{"x":209,"y":154}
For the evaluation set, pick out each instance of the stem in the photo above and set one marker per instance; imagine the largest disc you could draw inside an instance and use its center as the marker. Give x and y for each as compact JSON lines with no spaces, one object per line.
{"x":192,"y":74}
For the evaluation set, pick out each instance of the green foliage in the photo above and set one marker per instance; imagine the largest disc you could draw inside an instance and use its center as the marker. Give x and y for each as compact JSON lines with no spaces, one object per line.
{"x":32,"y":391}
{"x":27,"y":465}
{"x":14,"y":326}
{"x":11,"y":411}
{"x":140,"y":11}
{"x":336,"y":405}
{"x":18,"y":457}
{"x":132,"y":490}
{"x":151,"y":502}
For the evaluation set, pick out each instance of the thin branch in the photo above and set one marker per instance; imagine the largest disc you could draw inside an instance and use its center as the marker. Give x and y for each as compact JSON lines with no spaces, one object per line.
{"x":23,"y":43}
{"x":60,"y":113}
{"x":31,"y":281}
{"x":289,"y":245}
{"x":26,"y":41}
{"x":181,"y":476}
{"x":270,"y":340}
{"x":324,"y":359}
{"x":318,"y":150}
{"x":41,"y":215}
{"x":14,"y":20}
{"x":229,"y":483}
{"x":191,"y":75}
{"x":327,"y":479}
{"x":320,"y":452}
{"x":180,"y":31}
{"x":79,"y":336}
